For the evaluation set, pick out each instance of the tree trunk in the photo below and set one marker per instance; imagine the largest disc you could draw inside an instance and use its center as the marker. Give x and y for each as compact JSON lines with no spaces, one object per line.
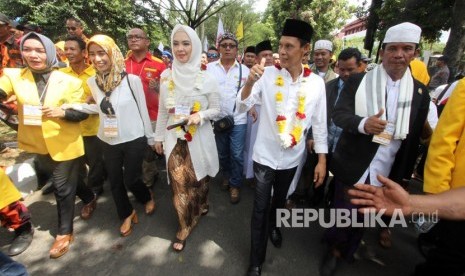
{"x":456,"y":43}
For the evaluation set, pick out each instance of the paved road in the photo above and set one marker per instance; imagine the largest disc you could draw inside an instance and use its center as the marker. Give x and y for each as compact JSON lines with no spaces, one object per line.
{"x":218,"y":246}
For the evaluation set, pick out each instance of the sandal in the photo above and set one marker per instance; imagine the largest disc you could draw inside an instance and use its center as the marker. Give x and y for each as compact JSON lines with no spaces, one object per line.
{"x":182,"y":242}
{"x":385,"y":238}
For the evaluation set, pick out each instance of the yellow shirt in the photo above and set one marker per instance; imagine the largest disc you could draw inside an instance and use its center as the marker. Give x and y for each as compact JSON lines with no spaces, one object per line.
{"x":89,"y":127}
{"x":419,"y":71}
{"x":8,"y":191}
{"x":60,"y":138}
{"x":445,"y":164}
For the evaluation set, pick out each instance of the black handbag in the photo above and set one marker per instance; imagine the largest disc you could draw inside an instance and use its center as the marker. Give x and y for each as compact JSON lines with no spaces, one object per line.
{"x":224,"y":124}
{"x":227,"y":123}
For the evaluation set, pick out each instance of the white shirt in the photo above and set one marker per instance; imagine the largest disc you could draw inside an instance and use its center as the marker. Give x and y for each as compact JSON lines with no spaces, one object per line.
{"x":133,"y":118}
{"x":435,"y":94}
{"x":228,"y":82}
{"x":385,"y":155}
{"x":202,"y":148}
{"x":267,"y":149}
{"x":432,"y":115}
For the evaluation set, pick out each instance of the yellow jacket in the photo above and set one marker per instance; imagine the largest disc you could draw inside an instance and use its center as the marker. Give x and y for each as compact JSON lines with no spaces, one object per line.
{"x":89,"y":127}
{"x":445,"y":164}
{"x":8,"y":191}
{"x":419,"y":71}
{"x":60,"y":138}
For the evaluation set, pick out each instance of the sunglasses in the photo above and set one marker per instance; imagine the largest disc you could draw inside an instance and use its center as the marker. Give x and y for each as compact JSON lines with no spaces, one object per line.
{"x":71,"y":28}
{"x":212,"y":55}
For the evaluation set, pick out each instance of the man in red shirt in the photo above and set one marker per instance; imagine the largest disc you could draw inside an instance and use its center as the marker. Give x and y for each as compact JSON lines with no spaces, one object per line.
{"x":141,"y":63}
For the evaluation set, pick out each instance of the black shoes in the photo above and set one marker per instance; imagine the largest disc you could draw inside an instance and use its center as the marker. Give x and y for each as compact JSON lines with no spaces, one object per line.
{"x":275,"y":237}
{"x":21,"y":242}
{"x":254,"y":271}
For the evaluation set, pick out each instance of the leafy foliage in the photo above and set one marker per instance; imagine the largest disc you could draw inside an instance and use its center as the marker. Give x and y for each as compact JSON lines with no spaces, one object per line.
{"x":432,"y":16}
{"x":325,"y":16}
{"x":235,"y":11}
{"x":188,"y":12}
{"x":111,"y":17}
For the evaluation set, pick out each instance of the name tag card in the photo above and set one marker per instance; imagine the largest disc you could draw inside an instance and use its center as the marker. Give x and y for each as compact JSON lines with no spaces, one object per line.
{"x":32,"y":115}
{"x":181,"y":112}
{"x":110,"y":126}
{"x":385,"y":137}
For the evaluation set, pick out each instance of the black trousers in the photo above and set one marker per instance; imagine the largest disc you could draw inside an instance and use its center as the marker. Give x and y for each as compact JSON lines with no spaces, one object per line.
{"x":264,"y":213}
{"x":124,"y":166}
{"x":94,"y":159}
{"x":448,"y":257}
{"x":67,"y":184}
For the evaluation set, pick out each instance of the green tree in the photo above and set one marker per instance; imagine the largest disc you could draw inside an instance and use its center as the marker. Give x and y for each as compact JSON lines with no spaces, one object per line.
{"x":432,"y":16}
{"x":254,"y":30}
{"x":188,"y":12}
{"x":111,"y":17}
{"x":455,"y":45}
{"x":325,"y":16}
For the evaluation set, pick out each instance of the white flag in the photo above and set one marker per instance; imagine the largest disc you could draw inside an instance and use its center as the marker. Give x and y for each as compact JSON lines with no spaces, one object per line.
{"x":160,"y":47}
{"x":205,"y":44}
{"x":220,"y":31}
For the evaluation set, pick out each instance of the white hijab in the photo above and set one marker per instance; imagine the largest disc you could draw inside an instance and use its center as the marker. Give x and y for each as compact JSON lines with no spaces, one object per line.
{"x":185,"y":74}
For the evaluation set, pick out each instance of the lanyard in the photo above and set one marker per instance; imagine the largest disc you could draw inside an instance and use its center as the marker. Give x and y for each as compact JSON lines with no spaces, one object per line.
{"x":42,"y":95}
{"x":141,"y":69}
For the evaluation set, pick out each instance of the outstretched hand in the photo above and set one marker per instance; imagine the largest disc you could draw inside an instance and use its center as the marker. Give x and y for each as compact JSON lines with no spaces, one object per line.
{"x":389,"y":197}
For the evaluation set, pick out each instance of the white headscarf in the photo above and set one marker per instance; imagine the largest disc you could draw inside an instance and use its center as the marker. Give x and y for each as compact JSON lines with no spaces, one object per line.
{"x":185,"y":74}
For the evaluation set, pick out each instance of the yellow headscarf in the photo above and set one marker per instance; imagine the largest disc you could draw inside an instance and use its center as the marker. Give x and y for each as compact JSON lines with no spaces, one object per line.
{"x":61,"y":45}
{"x":113,"y":79}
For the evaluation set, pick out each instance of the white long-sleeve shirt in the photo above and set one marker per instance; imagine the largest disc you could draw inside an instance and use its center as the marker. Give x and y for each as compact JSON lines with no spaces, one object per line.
{"x":267,"y":149}
{"x":202,"y":148}
{"x":133,"y":118}
{"x":228,"y":84}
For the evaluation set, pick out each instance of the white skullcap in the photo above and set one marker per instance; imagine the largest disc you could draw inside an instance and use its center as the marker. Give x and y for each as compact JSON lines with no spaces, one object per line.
{"x":404,"y":32}
{"x":324,"y":44}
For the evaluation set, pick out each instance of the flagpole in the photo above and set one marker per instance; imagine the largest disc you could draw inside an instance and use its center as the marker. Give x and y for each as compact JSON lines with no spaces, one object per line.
{"x":243,"y":35}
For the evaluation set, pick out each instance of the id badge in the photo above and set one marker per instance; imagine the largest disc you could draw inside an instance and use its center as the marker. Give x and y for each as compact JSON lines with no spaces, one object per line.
{"x":181,"y":112}
{"x":385,"y":137}
{"x":32,"y":115}
{"x":110,"y":126}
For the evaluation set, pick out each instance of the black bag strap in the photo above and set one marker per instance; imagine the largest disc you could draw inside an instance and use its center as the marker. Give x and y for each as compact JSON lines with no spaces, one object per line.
{"x":439,"y":98}
{"x":238,"y":86}
{"x":134,"y":97}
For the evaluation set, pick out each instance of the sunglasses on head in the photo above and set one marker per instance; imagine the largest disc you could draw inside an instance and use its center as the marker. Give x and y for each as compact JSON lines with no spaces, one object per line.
{"x":212,"y":55}
{"x":71,"y":28}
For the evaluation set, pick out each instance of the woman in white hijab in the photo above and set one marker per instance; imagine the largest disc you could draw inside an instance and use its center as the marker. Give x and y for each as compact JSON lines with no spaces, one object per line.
{"x":188,"y":97}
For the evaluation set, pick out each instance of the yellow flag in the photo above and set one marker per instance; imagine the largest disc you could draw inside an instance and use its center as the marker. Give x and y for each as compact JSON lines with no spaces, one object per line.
{"x":240,"y":31}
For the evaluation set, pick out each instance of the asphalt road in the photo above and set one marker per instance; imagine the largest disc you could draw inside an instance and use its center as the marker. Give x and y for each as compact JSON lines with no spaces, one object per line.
{"x":218,"y":246}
